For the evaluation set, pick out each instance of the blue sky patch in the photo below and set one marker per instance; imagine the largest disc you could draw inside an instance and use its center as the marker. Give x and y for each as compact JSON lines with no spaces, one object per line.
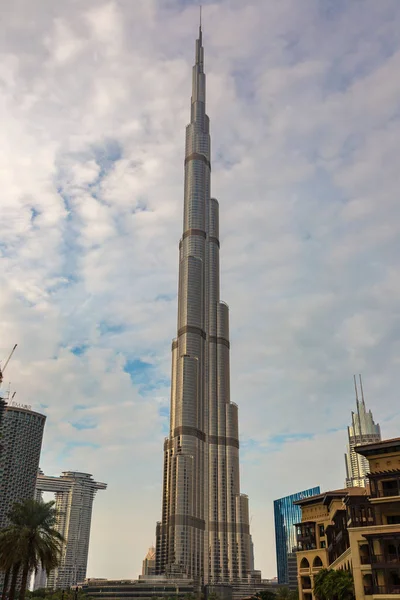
{"x":283,"y":438}
{"x":138,"y":370}
{"x":34,"y":213}
{"x":163,"y":411}
{"x":113,"y":328}
{"x":79,"y":350}
{"x":165,"y":297}
{"x":81,"y":425}
{"x":145,"y":375}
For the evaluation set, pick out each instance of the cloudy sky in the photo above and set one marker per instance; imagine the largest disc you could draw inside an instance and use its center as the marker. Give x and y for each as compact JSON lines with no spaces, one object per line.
{"x":304,"y":99}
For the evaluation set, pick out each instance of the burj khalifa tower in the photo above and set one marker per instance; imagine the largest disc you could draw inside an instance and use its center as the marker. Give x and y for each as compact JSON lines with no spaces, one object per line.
{"x":204,"y":529}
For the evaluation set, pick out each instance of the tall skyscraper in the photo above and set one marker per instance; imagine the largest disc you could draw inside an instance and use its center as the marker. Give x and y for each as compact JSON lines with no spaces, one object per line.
{"x":204,"y":529}
{"x":363,"y":430}
{"x":21,"y":440}
{"x":286,"y":515}
{"x":21,"y":435}
{"x":74,"y":494}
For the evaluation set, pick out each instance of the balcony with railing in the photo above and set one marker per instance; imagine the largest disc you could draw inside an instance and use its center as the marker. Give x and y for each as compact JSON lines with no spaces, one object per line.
{"x":385,"y":559}
{"x":360,"y":512}
{"x":389,"y":492}
{"x":385,"y":485}
{"x":377,"y":590}
{"x":306,"y":537}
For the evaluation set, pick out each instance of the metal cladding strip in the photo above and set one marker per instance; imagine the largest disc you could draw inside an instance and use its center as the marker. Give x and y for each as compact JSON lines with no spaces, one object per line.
{"x":191,"y":329}
{"x":187,"y":520}
{"x":221,"y":440}
{"x":194,"y":231}
{"x":230,"y":527}
{"x":214,"y":240}
{"x":185,"y":430}
{"x":219,"y":340}
{"x":197,"y":156}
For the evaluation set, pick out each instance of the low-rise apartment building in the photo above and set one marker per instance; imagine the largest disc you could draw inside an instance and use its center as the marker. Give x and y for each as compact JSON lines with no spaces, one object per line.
{"x":322,"y":536}
{"x":374,"y":525}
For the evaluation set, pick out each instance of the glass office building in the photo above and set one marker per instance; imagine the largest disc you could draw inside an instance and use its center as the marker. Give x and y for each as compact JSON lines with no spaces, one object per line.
{"x":286,"y":514}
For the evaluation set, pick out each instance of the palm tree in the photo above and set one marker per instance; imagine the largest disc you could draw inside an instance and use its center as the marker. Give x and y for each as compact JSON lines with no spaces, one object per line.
{"x":9,"y":560}
{"x":320,"y":581}
{"x":33,"y":539}
{"x":334,"y":585}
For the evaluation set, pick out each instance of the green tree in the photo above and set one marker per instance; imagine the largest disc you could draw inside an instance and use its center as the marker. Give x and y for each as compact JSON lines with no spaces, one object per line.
{"x":334,"y":585}
{"x":264,"y":595}
{"x":284,"y":593}
{"x":33,"y":541}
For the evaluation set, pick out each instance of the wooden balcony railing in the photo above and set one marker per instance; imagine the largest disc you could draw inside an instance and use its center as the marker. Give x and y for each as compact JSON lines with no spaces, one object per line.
{"x":381,"y":589}
{"x":388,"y":493}
{"x":382,"y":559}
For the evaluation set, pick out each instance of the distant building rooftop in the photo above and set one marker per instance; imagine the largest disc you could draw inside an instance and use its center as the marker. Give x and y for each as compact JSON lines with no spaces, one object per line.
{"x":379,"y":447}
{"x":326,"y":497}
{"x":154,"y":586}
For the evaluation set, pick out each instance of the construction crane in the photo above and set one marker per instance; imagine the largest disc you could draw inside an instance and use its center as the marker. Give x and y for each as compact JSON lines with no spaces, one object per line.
{"x":2,"y":369}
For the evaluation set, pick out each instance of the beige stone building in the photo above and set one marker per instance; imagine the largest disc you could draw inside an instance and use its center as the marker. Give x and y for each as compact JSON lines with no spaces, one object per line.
{"x":374,"y":525}
{"x":356,"y":529}
{"x":323,"y":518}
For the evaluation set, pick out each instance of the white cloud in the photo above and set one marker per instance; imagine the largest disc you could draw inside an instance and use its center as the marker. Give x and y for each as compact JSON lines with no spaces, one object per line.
{"x":303,"y":101}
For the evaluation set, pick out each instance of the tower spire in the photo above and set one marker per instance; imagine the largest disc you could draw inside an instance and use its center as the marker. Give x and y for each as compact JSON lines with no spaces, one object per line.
{"x":355,"y":387}
{"x":362,"y":391}
{"x":199,"y":47}
{"x":198,"y":80}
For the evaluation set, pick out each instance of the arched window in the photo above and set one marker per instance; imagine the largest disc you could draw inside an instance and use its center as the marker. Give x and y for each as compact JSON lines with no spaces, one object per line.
{"x":317,"y":562}
{"x":304,"y":563}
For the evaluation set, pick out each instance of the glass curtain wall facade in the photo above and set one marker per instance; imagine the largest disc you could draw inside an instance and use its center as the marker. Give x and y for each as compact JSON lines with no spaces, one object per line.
{"x":286,"y":515}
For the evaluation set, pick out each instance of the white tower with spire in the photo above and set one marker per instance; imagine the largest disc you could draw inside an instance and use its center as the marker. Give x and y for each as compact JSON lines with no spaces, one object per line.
{"x":363,"y":430}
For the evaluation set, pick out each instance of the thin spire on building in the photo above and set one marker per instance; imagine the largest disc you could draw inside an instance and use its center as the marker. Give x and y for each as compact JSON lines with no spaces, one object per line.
{"x":355,"y":387}
{"x":362,"y":391}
